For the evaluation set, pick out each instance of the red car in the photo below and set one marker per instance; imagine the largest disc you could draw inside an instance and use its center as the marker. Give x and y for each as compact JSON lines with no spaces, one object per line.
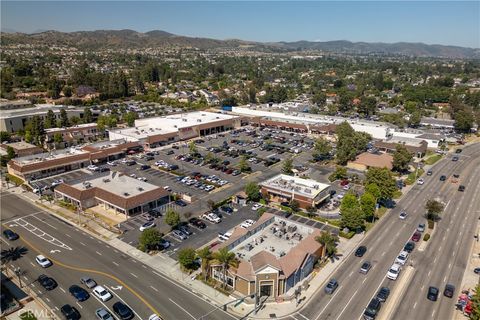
{"x":416,"y":236}
{"x":344,"y":183}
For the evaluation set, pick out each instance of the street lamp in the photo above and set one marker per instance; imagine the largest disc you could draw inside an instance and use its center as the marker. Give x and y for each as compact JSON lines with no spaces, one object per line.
{"x":18,"y":272}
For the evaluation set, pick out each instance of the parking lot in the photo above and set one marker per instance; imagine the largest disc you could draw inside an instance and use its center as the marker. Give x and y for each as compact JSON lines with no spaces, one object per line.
{"x":47,"y":184}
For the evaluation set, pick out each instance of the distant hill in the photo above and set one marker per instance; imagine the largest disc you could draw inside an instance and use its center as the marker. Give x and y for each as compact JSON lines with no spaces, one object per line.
{"x":132,"y":39}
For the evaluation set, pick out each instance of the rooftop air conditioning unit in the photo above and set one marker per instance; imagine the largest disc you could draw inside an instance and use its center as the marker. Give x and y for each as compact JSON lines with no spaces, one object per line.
{"x":126,"y":194}
{"x":106,"y":180}
{"x":140,"y":189}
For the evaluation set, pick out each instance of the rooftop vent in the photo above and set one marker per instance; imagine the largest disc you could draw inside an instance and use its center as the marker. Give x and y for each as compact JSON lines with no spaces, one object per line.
{"x":126,"y":194}
{"x":106,"y":180}
{"x":139,"y":188}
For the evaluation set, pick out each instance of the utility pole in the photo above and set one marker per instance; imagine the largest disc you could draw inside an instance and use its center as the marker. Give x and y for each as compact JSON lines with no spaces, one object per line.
{"x":18,"y":273}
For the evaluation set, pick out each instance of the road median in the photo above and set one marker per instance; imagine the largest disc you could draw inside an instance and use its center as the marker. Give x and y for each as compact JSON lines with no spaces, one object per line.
{"x":397,"y":293}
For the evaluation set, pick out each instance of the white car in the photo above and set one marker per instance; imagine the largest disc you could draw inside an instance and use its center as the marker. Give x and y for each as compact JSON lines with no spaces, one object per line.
{"x":154,"y":317}
{"x":212,"y":217}
{"x":346,"y":187}
{"x":402,"y":258}
{"x":394,"y":271}
{"x":341,"y":195}
{"x":147,"y":225}
{"x":403,"y":215}
{"x":224,"y":236}
{"x":112,"y":163}
{"x":167,"y":188}
{"x":247,"y":223}
{"x":57,"y":182}
{"x":420,"y":181}
{"x":256,"y":206}
{"x":43,"y":261}
{"x":102,"y":293}
{"x":92,"y":167}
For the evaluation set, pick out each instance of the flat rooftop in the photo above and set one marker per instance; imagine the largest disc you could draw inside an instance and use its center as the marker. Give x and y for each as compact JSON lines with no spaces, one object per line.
{"x":46,"y":156}
{"x":21,"y":145}
{"x":38,"y":109}
{"x":171,"y":123}
{"x":72,"y":128}
{"x":106,"y":144}
{"x":278,"y":238}
{"x":121,"y":185}
{"x":295,"y":185}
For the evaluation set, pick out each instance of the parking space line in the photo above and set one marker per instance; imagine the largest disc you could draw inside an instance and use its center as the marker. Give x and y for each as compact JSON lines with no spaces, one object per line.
{"x":181,"y":308}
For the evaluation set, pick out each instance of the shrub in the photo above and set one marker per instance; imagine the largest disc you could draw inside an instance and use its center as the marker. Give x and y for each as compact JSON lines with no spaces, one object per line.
{"x":431,"y":224}
{"x":426,"y":237}
{"x":14,"y":179}
{"x":261,"y":211}
{"x":348,"y":235}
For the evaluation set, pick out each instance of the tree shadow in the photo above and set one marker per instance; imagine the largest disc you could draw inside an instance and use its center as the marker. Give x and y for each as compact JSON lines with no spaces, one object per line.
{"x":13,"y":254}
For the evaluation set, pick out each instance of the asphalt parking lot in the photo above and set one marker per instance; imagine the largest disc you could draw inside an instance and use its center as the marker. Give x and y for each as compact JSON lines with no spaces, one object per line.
{"x":67,"y":177}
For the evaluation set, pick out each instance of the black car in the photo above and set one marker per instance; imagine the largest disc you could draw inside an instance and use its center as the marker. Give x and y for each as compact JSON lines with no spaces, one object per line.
{"x":148,"y":158}
{"x":10,"y":235}
{"x":461,"y":188}
{"x":78,"y":293}
{"x":429,"y":172}
{"x":185,"y":229}
{"x":449,"y":290}
{"x":197,"y":223}
{"x":226,"y":209}
{"x":155,"y":213}
{"x":169,"y":152}
{"x":455,"y":158}
{"x":443,"y":178}
{"x":122,"y":310}
{"x":144,"y":167}
{"x":69,"y":312}
{"x":383,"y":294}
{"x":458,"y":151}
{"x":372,"y":309}
{"x":409,"y":246}
{"x":103,"y":169}
{"x":432,"y":294}
{"x":360,"y":251}
{"x":47,"y":282}
{"x":180,"y":203}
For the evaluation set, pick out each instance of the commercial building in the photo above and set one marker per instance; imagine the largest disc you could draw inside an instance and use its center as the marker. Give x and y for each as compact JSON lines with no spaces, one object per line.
{"x":113,"y":192}
{"x":284,"y":188}
{"x":438,"y":123}
{"x":274,"y":256}
{"x":15,"y":119}
{"x":417,"y":147}
{"x":104,"y":151}
{"x":22,"y":148}
{"x":81,"y":133}
{"x":154,"y":132}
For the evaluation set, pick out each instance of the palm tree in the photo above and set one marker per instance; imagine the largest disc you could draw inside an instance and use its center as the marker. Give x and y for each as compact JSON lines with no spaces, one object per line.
{"x":206,"y":255}
{"x":12,"y":254}
{"x":226,"y":259}
{"x":329,"y":241}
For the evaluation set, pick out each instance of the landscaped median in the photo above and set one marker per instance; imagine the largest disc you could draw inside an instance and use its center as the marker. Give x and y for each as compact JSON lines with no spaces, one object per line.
{"x":397,"y":293}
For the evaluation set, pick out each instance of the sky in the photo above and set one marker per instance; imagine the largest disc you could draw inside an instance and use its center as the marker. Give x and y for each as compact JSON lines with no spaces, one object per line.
{"x":431,"y":22}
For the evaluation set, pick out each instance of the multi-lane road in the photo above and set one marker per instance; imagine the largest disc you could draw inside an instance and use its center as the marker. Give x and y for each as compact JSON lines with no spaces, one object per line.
{"x":443,"y":261}
{"x":76,"y":254}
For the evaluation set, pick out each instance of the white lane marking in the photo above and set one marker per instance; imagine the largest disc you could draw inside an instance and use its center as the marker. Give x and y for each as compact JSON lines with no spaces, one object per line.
{"x":134,"y":275}
{"x":433,"y":314}
{"x":103,"y":304}
{"x":33,"y":285}
{"x":115,"y":263}
{"x":39,"y":291}
{"x":435,"y":260}
{"x":68,"y":235}
{"x":56,"y":308}
{"x":144,"y":266}
{"x":115,"y":251}
{"x":8,"y":244}
{"x":449,"y":265}
{"x":429,"y":272}
{"x":350,"y":274}
{"x":63,"y":290}
{"x":302,"y":316}
{"x":346,"y":305}
{"x":79,"y":305}
{"x":134,"y":261}
{"x":47,"y":299}
{"x":113,"y":291}
{"x":41,"y":234}
{"x":181,"y":308}
{"x":383,"y":253}
{"x":415,"y":305}
{"x":98,"y":253}
{"x":45,"y":222}
{"x":90,"y":237}
{"x":423,"y":287}
{"x":293,"y":317}
{"x":83,"y":244}
{"x":158,"y":274}
{"x":445,"y":279}
{"x":155,"y":289}
{"x":24,"y":277}
{"x":32,"y":263}
{"x":364,"y":280}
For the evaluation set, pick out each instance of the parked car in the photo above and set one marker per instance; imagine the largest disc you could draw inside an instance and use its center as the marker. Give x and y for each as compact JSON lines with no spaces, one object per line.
{"x":383,"y":294}
{"x":372,"y":309}
{"x":443,"y":178}
{"x":179,"y":234}
{"x":394,"y":271}
{"x":458,"y":151}
{"x":10,"y":235}
{"x":147,"y":225}
{"x":92,"y":167}
{"x":78,"y":293}
{"x":416,"y":236}
{"x":144,"y":167}
{"x":103,"y":314}
{"x":360,"y":251}
{"x":331,"y":286}
{"x":212,"y":218}
{"x":403,"y":215}
{"x":461,"y":188}
{"x":455,"y":158}
{"x":197,"y":223}
{"x":402,"y":258}
{"x":122,"y":310}
{"x":420,"y":181}
{"x":43,"y":261}
{"x":432,"y":294}
{"x":365,"y":267}
{"x":185,"y":229}
{"x":449,"y":290}
{"x":88,"y":282}
{"x":409,"y":246}
{"x":256,"y":206}
{"x":102,"y":293}
{"x":147,"y":217}
{"x":429,"y":172}
{"x":47,"y":282}
{"x":180,"y":203}
{"x":69,"y":312}
{"x":226,"y":209}
{"x":421,"y":227}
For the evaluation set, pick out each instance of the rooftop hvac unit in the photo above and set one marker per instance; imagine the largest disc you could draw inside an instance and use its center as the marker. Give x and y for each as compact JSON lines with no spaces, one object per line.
{"x":307,"y":190}
{"x":139,"y":188}
{"x":199,"y":120}
{"x":126,"y":194}
{"x":106,"y":180}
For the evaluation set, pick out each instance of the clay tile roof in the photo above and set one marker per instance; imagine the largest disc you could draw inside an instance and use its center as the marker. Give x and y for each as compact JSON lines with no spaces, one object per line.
{"x":263,"y":259}
{"x":245,"y":270}
{"x":292,"y":261}
{"x":382,"y":160}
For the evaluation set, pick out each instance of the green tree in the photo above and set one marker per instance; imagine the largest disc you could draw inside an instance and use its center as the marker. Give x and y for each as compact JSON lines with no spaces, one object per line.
{"x":401,"y":158}
{"x":226,"y":259}
{"x":28,"y":136}
{"x":102,"y":123}
{"x":209,"y":157}
{"x":10,"y":152}
{"x":186,"y":258}
{"x":64,"y":119}
{"x":311,"y":211}
{"x":253,"y":191}
{"x":192,"y":147}
{"x":87,"y":115}
{"x":287,"y":166}
{"x":243,"y":164}
{"x":329,"y":242}
{"x":434,"y":208}
{"x":50,"y":121}
{"x":294,"y":205}
{"x":149,"y":238}
{"x":384,"y":179}
{"x":339,"y":174}
{"x":319,"y":98}
{"x":349,"y":201}
{"x":172,"y":218}
{"x":205,"y":255}
{"x":67,"y":91}
{"x":367,"y":106}
{"x":321,"y":149}
{"x":112,"y":121}
{"x":57,"y":138}
{"x":368,"y":204}
{"x":129,"y":118}
{"x":374,"y":190}
{"x":352,"y":218}
{"x":349,"y":143}
{"x":475,"y":315}
{"x":415,"y":119}
{"x":463,"y":121}
{"x":4,"y":136}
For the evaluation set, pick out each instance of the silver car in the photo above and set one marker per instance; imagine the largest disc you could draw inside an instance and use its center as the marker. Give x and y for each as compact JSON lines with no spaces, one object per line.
{"x":179,"y":234}
{"x":89,"y":282}
{"x":103,"y":314}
